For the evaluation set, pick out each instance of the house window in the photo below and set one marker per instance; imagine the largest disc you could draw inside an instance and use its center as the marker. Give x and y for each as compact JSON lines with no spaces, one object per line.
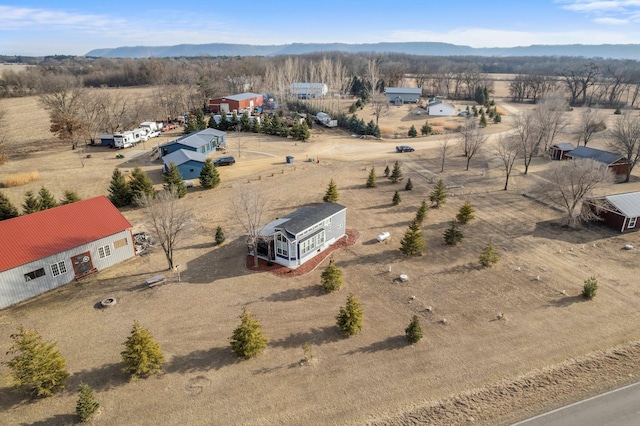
{"x":104,"y":251}
{"x":120,"y":243}
{"x":282,"y":246}
{"x":632,"y":222}
{"x":191,"y":170}
{"x":34,"y":274}
{"x":58,"y":268}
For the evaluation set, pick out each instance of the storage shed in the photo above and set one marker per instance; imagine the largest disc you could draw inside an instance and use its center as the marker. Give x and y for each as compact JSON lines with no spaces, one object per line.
{"x":617,"y":163}
{"x":45,"y":250}
{"x":403,"y":95}
{"x":441,"y":109}
{"x":203,"y":141}
{"x":559,"y":151}
{"x":309,"y":90}
{"x":244,"y":101}
{"x":189,"y":163}
{"x":619,"y":211}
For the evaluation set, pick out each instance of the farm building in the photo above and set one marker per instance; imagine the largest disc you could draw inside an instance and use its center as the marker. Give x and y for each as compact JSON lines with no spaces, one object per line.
{"x":203,"y":141}
{"x":299,"y":236}
{"x":438,"y":108}
{"x":619,"y":211}
{"x":403,"y":95}
{"x":617,"y":163}
{"x":241,"y":102}
{"x":559,"y":151}
{"x":189,"y":163}
{"x":45,"y":250}
{"x":309,"y":90}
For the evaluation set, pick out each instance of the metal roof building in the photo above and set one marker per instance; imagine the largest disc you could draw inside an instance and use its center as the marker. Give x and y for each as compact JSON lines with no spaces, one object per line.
{"x":618,"y":211}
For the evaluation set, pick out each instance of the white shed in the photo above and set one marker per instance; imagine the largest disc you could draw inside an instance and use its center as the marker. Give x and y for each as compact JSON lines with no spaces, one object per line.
{"x":439,"y":108}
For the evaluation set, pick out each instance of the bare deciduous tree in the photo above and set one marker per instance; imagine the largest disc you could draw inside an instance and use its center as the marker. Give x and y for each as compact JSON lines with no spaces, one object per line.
{"x":248,"y":207}
{"x":380,"y":105}
{"x":591,"y":122}
{"x":63,"y":103}
{"x":445,"y":147}
{"x":624,"y":138}
{"x":471,"y":139}
{"x":3,"y":149}
{"x":508,"y":150}
{"x":529,"y":136}
{"x":550,"y":115}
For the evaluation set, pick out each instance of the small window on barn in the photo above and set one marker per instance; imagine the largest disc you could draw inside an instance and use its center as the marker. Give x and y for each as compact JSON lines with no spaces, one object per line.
{"x":58,"y":268}
{"x":120,"y":243}
{"x":104,"y":251}
{"x":632,"y":222}
{"x":34,"y":274}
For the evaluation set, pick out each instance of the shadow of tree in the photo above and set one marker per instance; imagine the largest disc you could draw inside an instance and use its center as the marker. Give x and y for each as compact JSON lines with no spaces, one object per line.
{"x":56,"y":420}
{"x":587,"y":233}
{"x":10,"y":398}
{"x":467,"y":267}
{"x":201,"y":360}
{"x":566,"y":301}
{"x":101,"y":378}
{"x":392,"y":343}
{"x":292,"y":294}
{"x":315,"y":336}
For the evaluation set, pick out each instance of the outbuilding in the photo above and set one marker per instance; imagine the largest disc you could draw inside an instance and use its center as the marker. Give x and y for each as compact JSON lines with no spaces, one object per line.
{"x":619,"y":211}
{"x":241,"y":102}
{"x":441,"y":109}
{"x":309,"y":90}
{"x":618,"y":164}
{"x":203,"y":141}
{"x":189,"y":163}
{"x":403,"y":95}
{"x":559,"y":151}
{"x":48,"y":249}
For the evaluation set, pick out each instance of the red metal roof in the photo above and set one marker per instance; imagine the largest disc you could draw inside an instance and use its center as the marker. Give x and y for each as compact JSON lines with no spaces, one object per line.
{"x":31,"y":237}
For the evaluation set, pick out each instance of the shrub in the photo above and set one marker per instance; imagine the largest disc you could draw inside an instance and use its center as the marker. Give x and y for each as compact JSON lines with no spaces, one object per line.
{"x":351,"y":316}
{"x":19,"y":179}
{"x":413,"y":330}
{"x":331,"y":278}
{"x":489,"y":256}
{"x":590,"y":288}
{"x":87,"y":404}
{"x":617,"y":111}
{"x":142,"y":356}
{"x":248,"y":340}
{"x":219,"y":236}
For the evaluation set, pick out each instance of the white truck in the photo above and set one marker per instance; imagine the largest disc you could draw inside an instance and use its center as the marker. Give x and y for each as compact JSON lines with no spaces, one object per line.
{"x":325,"y":119}
{"x":153,"y":128}
{"x":130,"y":138}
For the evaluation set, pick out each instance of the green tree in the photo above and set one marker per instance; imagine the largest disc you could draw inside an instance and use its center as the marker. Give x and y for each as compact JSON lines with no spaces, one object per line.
{"x":142,"y":356}
{"x":173,"y":181}
{"x":412,"y":243}
{"x":483,"y":120}
{"x":209,"y":176}
{"x":219,"y":236}
{"x":426,"y":129}
{"x":590,"y":288}
{"x":331,"y":196}
{"x":7,"y":210}
{"x":439,"y":194}
{"x":396,"y":198}
{"x":489,"y":256}
{"x":413,"y":330}
{"x":412,"y":133}
{"x":87,"y":404}
{"x":452,"y":234}
{"x":421,"y":214}
{"x":69,"y":197}
{"x":331,"y":278}
{"x":465,"y":214}
{"x":36,"y":366}
{"x":45,"y":199}
{"x":409,"y":185}
{"x":30,"y":204}
{"x":119,"y":189}
{"x":140,"y":184}
{"x":351,"y":316}
{"x":248,"y":340}
{"x":497,"y":118}
{"x":396,"y":174}
{"x":386,"y":171}
{"x":371,"y":180}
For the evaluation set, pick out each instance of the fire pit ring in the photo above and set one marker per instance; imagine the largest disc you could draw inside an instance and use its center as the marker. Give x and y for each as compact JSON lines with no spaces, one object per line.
{"x":109,"y":301}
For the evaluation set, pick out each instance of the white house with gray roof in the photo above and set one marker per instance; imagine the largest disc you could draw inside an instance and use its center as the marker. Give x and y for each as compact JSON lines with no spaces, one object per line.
{"x":299,"y":236}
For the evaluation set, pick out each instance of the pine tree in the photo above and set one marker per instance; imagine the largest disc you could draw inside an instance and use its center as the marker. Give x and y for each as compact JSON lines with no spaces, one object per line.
{"x":412,"y":133}
{"x":439,"y":194}
{"x":201,"y":124}
{"x":87,"y":404}
{"x":173,"y":179}
{"x":426,"y":129}
{"x":69,"y":197}
{"x":331,"y":278}
{"x":413,"y":330}
{"x":396,"y":174}
{"x":36,"y":365}
{"x":489,"y":256}
{"x":119,"y":189}
{"x":483,"y":120}
{"x":209,"y":176}
{"x":421,"y":214}
{"x":590,"y":288}
{"x":7,"y":210}
{"x":497,"y":118}
{"x":219,"y":236}
{"x":465,"y":214}
{"x":412,"y":244}
{"x":331,"y":196}
{"x":386,"y":171}
{"x":140,"y":185}
{"x":248,"y":340}
{"x":142,"y":356}
{"x":396,"y":198}
{"x":45,"y":199}
{"x":351,"y":316}
{"x":371,"y":180}
{"x":30,"y":204}
{"x":452,"y":234}
{"x":409,"y":185}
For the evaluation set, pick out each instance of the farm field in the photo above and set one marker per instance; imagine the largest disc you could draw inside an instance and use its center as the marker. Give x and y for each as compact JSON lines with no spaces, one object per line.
{"x":552,"y":348}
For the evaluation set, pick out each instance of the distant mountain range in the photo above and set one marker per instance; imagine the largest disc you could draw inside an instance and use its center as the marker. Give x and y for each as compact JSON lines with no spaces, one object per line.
{"x":607,"y":51}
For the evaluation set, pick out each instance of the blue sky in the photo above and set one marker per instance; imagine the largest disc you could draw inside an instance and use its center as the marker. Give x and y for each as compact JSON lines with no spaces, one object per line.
{"x":77,"y":26}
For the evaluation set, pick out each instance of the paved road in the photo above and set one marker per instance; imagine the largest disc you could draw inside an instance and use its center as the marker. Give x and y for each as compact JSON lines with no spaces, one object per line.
{"x":620,"y":407}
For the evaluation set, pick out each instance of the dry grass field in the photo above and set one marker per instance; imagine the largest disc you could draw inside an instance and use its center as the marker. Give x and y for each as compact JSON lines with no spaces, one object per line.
{"x":550,"y":348}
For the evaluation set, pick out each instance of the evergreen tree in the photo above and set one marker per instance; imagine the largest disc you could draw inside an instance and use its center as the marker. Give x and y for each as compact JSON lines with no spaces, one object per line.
{"x":219,"y":236}
{"x":371,"y":180}
{"x":7,"y":210}
{"x":140,"y":185}
{"x":426,"y":129}
{"x":248,"y":340}
{"x":201,"y":123}
{"x":351,"y":316}
{"x":439,"y":194}
{"x":191,"y":124}
{"x":452,"y":234}
{"x":396,"y":198}
{"x":30,"y":204}
{"x":590,"y":288}
{"x":142,"y":356}
{"x":489,"y":256}
{"x":45,"y":199}
{"x":331,"y":278}
{"x":331,"y":196}
{"x":465,"y":214}
{"x":413,"y":330}
{"x":70,"y":197}
{"x":421,"y":214}
{"x":396,"y":174}
{"x":409,"y":185}
{"x":87,"y":404}
{"x":212,"y":123}
{"x":412,"y":244}
{"x":386,"y":171}
{"x":497,"y":118}
{"x":209,"y":176}
{"x":119,"y":189}
{"x":173,"y":179}
{"x":36,"y":366}
{"x":483,"y":120}
{"x":412,"y":133}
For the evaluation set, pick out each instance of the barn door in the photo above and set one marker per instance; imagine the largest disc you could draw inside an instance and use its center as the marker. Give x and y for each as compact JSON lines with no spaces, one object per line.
{"x":82,"y":263}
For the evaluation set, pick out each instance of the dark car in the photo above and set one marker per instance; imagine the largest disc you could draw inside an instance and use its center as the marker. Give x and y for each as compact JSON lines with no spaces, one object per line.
{"x":224,"y":161}
{"x":404,"y":148}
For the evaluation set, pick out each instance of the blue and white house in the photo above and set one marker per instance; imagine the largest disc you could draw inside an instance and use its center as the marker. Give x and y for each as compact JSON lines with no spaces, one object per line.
{"x":189,"y":163}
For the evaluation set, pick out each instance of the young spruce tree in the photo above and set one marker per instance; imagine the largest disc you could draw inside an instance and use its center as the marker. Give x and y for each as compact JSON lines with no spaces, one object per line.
{"x":45,"y":199}
{"x":219,"y":236}
{"x":331,"y":278}
{"x":421,"y":214}
{"x":413,"y":330}
{"x":590,"y":288}
{"x":439,"y":194}
{"x":69,"y":197}
{"x":30,"y":204}
{"x":248,"y":340}
{"x":489,"y":256}
{"x":386,"y":171}
{"x":412,"y":244}
{"x":209,"y":176}
{"x":119,"y":189}
{"x":409,"y":185}
{"x":331,"y":196}
{"x":351,"y":316}
{"x":465,"y":214}
{"x":7,"y":210}
{"x":452,"y":234}
{"x":371,"y":180}
{"x":140,"y":185}
{"x":173,"y":179}
{"x":396,"y":198}
{"x":142,"y":356}
{"x":87,"y":404}
{"x":396,"y":174}
{"x":412,"y":133}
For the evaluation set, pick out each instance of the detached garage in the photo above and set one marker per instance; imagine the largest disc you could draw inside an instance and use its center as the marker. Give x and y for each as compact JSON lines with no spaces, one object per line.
{"x":243,"y":101}
{"x":619,"y":211}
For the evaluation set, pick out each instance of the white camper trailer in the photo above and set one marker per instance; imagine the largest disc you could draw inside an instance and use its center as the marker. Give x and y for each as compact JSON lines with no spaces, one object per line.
{"x":325,"y":119}
{"x":129,"y":138}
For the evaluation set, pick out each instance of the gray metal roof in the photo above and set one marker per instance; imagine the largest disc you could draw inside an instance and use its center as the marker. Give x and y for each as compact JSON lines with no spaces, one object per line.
{"x":197,"y":139}
{"x":628,"y":203}
{"x":394,"y":90}
{"x":181,"y":156}
{"x":564,"y":146}
{"x":307,"y":216}
{"x":605,"y":157}
{"x":242,"y":96}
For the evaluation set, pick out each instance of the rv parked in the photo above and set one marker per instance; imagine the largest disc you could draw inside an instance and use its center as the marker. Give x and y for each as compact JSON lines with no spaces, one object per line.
{"x":129,"y":138}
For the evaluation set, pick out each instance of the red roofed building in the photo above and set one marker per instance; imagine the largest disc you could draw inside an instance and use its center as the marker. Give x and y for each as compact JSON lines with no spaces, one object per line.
{"x":44,"y":250}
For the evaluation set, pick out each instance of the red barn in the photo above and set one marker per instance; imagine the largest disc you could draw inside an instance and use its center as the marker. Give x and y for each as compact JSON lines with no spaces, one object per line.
{"x":243,"y":101}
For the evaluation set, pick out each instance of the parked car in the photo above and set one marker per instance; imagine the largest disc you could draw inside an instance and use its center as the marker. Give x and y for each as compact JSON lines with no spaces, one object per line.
{"x":404,"y":148}
{"x":224,"y":161}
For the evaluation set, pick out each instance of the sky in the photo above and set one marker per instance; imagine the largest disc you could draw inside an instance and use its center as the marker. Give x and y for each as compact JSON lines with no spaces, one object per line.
{"x":74,"y":27}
